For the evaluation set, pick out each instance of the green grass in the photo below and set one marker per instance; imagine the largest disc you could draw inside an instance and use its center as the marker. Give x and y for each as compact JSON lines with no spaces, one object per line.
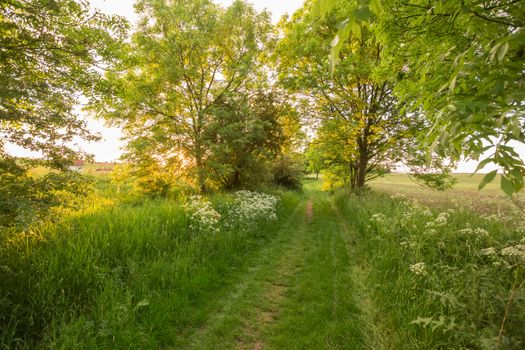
{"x":320,"y":311}
{"x":462,"y":299}
{"x":123,"y":277}
{"x":296,"y":294}
{"x":464,"y":194}
{"x":333,"y":272}
{"x":465,"y":182}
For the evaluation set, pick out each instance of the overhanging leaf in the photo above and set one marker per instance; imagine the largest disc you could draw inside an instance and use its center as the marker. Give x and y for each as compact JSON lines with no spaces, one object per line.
{"x":487,"y":178}
{"x":507,"y":186}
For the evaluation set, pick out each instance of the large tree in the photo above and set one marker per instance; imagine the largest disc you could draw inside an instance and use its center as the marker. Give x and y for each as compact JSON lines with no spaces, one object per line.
{"x":49,"y":53}
{"x":359,"y":115}
{"x":464,"y":68}
{"x":186,"y":59}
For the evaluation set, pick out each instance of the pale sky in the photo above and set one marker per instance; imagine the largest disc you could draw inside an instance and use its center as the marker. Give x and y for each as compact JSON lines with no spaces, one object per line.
{"x":109,"y":148}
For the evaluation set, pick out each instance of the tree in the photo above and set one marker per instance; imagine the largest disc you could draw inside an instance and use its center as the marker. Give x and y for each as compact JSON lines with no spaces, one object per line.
{"x":362,"y":129}
{"x":186,"y":59}
{"x":49,"y":51}
{"x":244,"y":135}
{"x":314,"y":160}
{"x":463,"y":65}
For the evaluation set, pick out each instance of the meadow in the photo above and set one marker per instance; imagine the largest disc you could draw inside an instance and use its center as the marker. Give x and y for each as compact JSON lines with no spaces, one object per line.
{"x":399,"y":267}
{"x":440,"y":269}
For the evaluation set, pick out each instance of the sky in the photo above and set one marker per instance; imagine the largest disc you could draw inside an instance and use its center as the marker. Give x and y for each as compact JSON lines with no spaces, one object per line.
{"x":110,"y":147}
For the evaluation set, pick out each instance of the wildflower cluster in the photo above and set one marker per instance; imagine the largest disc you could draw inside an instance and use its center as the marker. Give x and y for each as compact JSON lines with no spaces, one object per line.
{"x":419,"y":268}
{"x":378,"y":218}
{"x":480,"y":232}
{"x":440,"y":220}
{"x":414,"y":212}
{"x":250,"y":207}
{"x":202,"y":215}
{"x":510,"y":256}
{"x":516,"y":251}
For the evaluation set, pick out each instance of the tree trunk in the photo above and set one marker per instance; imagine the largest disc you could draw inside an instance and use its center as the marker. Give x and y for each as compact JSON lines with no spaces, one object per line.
{"x":362,"y":165}
{"x":201,"y":176}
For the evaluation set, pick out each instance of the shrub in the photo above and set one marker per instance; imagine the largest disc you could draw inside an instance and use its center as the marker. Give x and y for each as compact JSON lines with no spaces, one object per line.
{"x":287,"y":172}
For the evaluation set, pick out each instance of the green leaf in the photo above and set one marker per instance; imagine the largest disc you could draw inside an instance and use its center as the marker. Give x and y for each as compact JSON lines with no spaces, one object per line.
{"x":500,"y":87}
{"x":356,"y":30}
{"x":376,"y":7}
{"x":518,"y":178}
{"x":483,"y":163}
{"x":502,"y":51}
{"x":506,"y":185}
{"x":363,"y":13}
{"x":425,"y":321}
{"x":452,"y":84}
{"x":321,"y":7}
{"x":142,"y":303}
{"x":487,"y":178}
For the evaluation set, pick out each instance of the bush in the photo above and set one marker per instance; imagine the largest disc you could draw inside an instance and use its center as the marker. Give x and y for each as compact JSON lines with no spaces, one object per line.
{"x":287,"y":172}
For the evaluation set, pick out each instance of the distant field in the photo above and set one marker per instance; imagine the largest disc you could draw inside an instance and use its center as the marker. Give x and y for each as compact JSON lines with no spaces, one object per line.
{"x":95,"y":169}
{"x":466,"y":182}
{"x":464,"y":193}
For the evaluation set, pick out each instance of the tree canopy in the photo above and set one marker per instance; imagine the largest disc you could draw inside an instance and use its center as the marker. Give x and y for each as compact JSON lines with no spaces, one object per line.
{"x":463,"y":68}
{"x":189,"y":62}
{"x":49,"y":51}
{"x":363,"y":130}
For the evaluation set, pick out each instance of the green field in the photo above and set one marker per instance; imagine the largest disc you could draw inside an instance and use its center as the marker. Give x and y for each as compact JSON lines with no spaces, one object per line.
{"x":464,"y":193}
{"x":465,"y":183}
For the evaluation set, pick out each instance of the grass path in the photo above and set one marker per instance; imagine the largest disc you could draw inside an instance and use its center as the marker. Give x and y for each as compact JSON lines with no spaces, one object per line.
{"x":299,"y":293}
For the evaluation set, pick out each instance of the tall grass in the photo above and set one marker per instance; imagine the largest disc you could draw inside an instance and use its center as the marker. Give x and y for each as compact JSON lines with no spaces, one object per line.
{"x":126,"y":276}
{"x":452,"y":279}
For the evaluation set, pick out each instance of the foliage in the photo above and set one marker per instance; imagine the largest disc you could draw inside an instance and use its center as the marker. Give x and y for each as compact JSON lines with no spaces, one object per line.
{"x":361,"y":131}
{"x":186,"y":59}
{"x":314,"y":160}
{"x":49,"y":51}
{"x":27,"y":198}
{"x":287,"y":171}
{"x":463,"y":67}
{"x":246,"y":132}
{"x":441,"y":182}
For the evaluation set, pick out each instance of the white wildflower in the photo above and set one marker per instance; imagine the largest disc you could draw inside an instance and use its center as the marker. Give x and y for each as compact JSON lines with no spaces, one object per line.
{"x":251,"y":207}
{"x":202,"y":215}
{"x":466,"y":231}
{"x":378,"y":218}
{"x":426,"y":212}
{"x":430,"y":231}
{"x":517,"y":250}
{"x":408,"y":244}
{"x":489,"y":251}
{"x":442,"y":219}
{"x":418,"y":268}
{"x":481,"y":232}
